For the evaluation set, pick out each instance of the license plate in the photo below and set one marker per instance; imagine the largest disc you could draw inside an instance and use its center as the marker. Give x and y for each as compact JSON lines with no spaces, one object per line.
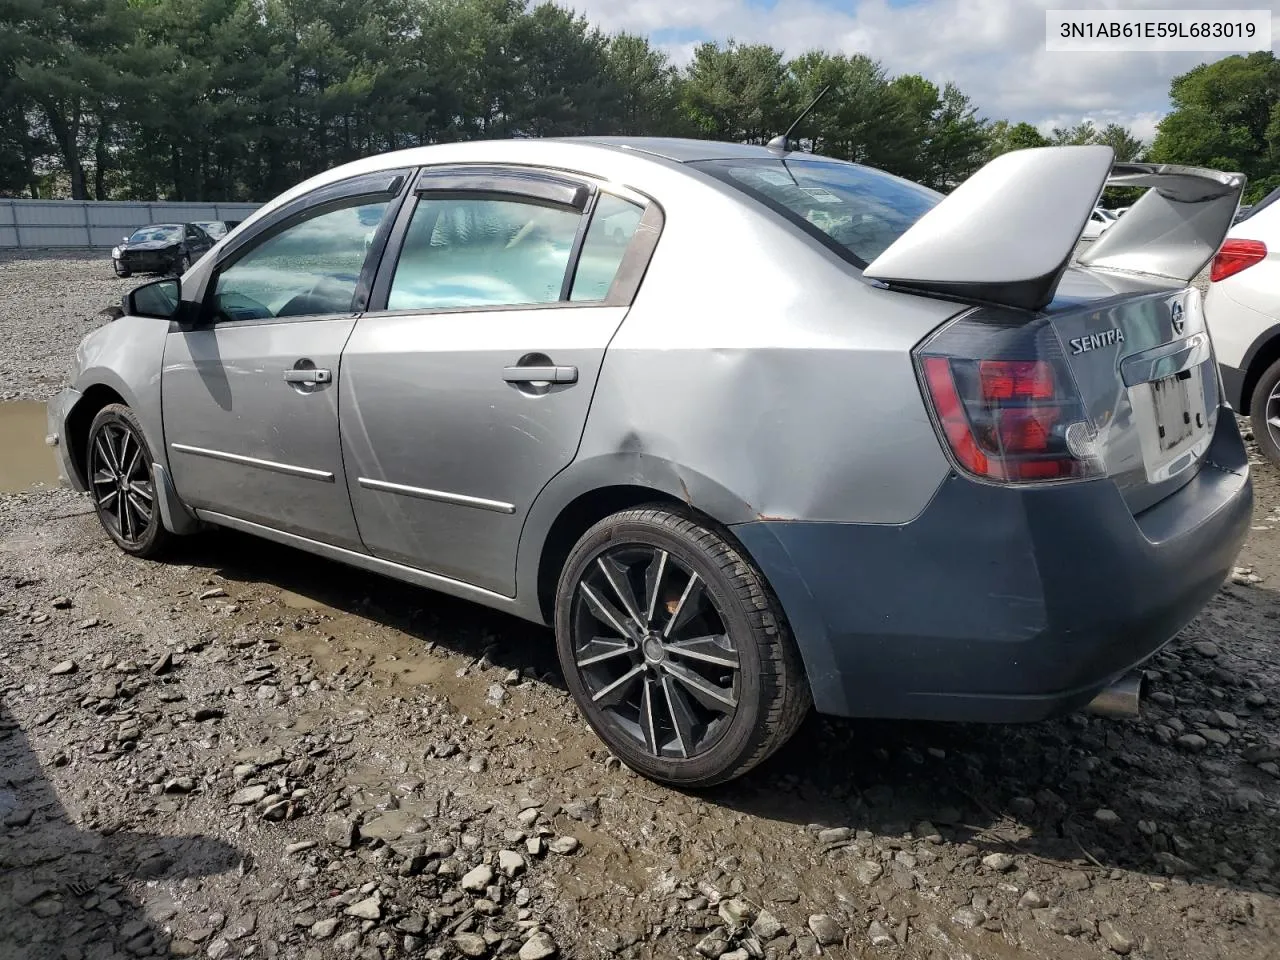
{"x":1177,"y":419}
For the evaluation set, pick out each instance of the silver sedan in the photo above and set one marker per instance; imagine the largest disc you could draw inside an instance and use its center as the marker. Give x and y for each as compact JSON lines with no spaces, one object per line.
{"x":755,"y":430}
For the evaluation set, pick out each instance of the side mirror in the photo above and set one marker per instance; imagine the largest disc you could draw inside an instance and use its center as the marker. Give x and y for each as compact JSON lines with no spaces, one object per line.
{"x":158,"y":299}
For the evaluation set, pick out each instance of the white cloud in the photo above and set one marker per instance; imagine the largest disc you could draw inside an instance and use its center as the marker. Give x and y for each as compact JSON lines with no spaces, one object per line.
{"x":994,"y":50}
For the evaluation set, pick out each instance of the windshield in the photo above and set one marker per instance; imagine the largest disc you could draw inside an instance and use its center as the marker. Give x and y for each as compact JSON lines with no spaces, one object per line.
{"x":155,"y":232}
{"x":857,"y":211}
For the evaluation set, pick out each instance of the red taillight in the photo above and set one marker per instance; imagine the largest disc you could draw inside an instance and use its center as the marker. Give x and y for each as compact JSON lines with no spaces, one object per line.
{"x":1022,"y":379}
{"x":1234,"y":256}
{"x":1008,"y":420}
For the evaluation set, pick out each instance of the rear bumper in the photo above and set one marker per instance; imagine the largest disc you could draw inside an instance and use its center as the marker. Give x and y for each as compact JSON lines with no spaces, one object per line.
{"x":998,"y":604}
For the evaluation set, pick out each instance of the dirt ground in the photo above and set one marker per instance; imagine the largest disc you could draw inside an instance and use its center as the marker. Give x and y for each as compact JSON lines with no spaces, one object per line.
{"x":245,"y":751}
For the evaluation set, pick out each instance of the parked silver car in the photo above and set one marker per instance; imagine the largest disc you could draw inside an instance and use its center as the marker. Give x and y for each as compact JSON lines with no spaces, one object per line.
{"x":752,"y":428}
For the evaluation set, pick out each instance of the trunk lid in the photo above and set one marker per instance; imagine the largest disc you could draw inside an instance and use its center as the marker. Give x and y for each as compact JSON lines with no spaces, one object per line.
{"x":1141,"y":358}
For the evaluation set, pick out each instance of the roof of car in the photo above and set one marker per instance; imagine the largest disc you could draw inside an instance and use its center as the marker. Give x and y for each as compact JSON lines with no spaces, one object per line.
{"x":681,"y":149}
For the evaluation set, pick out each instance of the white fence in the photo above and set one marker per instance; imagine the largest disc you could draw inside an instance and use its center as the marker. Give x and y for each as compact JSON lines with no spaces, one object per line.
{"x":32,"y":224}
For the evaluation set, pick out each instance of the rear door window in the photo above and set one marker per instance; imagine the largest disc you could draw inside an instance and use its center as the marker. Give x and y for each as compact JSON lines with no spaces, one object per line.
{"x":856,"y":211}
{"x":469,"y":252}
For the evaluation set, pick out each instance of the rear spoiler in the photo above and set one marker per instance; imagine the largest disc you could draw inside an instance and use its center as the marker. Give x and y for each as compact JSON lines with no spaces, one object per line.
{"x":1006,"y":234}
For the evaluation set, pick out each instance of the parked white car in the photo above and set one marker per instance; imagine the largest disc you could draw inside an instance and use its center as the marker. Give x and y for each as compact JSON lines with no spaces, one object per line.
{"x":1243,"y":312}
{"x":1098,"y":223}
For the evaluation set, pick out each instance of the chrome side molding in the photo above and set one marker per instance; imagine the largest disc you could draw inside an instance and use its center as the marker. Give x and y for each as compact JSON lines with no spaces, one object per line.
{"x":441,"y":496}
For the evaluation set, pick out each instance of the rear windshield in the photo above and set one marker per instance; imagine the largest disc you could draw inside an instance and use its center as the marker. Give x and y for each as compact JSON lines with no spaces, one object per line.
{"x":856,"y":211}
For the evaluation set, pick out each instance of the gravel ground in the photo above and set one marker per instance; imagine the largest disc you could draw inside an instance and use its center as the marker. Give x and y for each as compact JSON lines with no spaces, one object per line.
{"x":247,"y":751}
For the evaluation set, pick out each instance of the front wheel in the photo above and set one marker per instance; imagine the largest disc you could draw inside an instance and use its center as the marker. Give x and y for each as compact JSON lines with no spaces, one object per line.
{"x":1264,"y":413}
{"x":121,"y":272}
{"x":675,"y":649}
{"x":182,"y":265}
{"x":122,"y":483}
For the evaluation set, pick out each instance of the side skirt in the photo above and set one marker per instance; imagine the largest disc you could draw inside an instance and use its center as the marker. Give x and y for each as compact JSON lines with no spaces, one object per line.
{"x":396,"y":571}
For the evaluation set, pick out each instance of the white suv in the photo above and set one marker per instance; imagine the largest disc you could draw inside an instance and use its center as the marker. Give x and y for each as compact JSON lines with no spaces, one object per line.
{"x":1243,"y":312}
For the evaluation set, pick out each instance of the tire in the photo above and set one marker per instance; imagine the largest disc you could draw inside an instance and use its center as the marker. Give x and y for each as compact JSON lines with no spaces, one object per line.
{"x":1267,"y":435}
{"x":722,"y":677}
{"x":121,"y":272}
{"x":132,"y":522}
{"x":182,"y":265}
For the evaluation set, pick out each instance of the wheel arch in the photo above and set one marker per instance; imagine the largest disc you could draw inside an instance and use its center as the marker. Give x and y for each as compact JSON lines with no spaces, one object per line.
{"x":1262,"y":353}
{"x":80,"y":417}
{"x":587,"y":492}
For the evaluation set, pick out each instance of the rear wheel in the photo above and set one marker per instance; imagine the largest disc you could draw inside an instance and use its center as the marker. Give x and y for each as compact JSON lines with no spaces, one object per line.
{"x":122,"y":483}
{"x":1264,"y":412}
{"x":676,"y":650}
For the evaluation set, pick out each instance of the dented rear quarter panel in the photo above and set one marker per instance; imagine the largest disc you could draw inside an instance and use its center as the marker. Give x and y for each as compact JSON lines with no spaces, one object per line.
{"x":756,"y":376}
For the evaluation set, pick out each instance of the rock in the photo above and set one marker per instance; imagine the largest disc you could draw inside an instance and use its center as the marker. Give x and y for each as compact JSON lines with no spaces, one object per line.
{"x":767,"y":926}
{"x":825,"y":930}
{"x":1225,"y":719}
{"x":60,"y":603}
{"x":879,"y":935}
{"x":535,"y":846}
{"x":213,"y":594}
{"x":968,"y":917}
{"x":1206,"y":648}
{"x":834,"y":834}
{"x":1173,"y":864}
{"x":1054,"y":919}
{"x":368,"y":909}
{"x":163,"y":664}
{"x":347,"y":943}
{"x":241,"y":926}
{"x":926,"y":831}
{"x":1032,"y":900}
{"x":510,"y":863}
{"x":563,"y":845}
{"x":713,"y":945}
{"x":219,"y":948}
{"x":183,"y":948}
{"x":1256,"y":698}
{"x":999,"y":862}
{"x":323,"y":929}
{"x":1076,"y":880}
{"x":1116,"y":939}
{"x":207,"y":713}
{"x":62,"y":668}
{"x":470,"y":944}
{"x":477,"y":879}
{"x":538,"y":947}
{"x":735,"y":914}
{"x":179,"y":785}
{"x":1220,"y":737}
{"x":300,"y":846}
{"x":1108,"y":818}
{"x":247,"y":796}
{"x":1022,"y":806}
{"x":1191,"y":742}
{"x":1261,"y":753}
{"x":341,"y":832}
{"x":868,"y":872}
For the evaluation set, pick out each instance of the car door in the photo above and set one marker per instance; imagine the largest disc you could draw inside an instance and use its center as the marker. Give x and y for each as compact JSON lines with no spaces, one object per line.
{"x":466,"y":387}
{"x":250,"y":388}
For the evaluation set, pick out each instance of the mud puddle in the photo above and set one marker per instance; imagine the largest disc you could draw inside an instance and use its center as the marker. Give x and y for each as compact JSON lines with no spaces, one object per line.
{"x":26,"y":461}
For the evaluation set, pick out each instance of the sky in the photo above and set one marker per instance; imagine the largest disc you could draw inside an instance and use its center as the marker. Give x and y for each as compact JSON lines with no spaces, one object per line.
{"x":994,"y":50}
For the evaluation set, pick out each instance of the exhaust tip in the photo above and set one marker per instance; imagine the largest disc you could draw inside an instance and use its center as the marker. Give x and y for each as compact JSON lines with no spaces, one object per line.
{"x":1121,"y":699}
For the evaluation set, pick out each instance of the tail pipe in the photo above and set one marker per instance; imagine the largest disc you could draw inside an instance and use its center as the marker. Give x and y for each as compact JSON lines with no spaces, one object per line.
{"x":1121,"y":699}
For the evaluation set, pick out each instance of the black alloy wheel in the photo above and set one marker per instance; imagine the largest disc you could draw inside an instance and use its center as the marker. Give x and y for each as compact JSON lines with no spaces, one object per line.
{"x":121,"y":482}
{"x":675,"y":649}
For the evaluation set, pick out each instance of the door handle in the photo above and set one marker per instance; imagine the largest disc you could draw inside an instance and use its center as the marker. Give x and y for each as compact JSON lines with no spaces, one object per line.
{"x":307,"y":376}
{"x":540,"y":374}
